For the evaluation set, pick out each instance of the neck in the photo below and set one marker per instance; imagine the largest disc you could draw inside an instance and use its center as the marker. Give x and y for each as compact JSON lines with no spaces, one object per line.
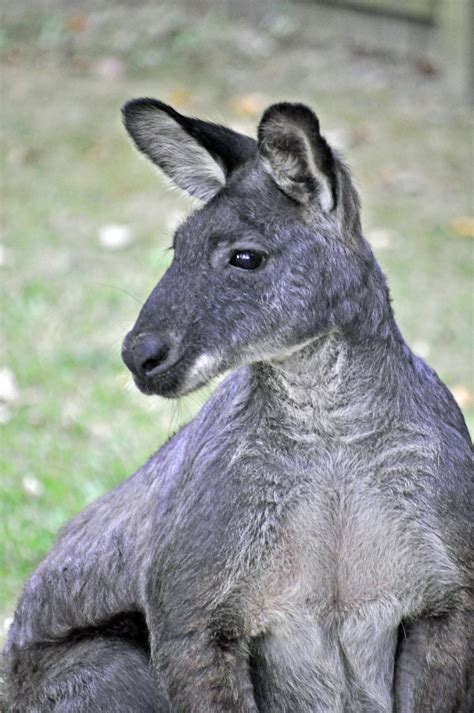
{"x":334,"y":387}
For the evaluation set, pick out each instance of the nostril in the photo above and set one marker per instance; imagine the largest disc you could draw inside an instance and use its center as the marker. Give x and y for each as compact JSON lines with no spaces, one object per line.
{"x":145,"y":353}
{"x":158,"y":358}
{"x":149,"y":365}
{"x":150,"y":354}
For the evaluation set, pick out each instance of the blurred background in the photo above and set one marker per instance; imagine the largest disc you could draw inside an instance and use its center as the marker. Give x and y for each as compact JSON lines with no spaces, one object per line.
{"x":85,"y":224}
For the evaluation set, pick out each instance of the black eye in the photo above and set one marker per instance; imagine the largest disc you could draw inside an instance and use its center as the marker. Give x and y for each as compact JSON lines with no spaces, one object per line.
{"x":247,"y":259}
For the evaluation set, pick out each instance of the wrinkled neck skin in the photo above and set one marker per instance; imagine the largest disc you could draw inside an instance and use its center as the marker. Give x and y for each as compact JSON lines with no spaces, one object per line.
{"x":336,"y":387}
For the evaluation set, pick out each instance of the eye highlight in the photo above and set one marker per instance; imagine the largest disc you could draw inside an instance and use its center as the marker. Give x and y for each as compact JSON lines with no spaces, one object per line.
{"x":247,"y":259}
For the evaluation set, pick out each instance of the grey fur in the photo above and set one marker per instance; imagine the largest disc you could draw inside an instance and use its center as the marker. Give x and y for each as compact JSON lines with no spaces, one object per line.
{"x":304,"y":545}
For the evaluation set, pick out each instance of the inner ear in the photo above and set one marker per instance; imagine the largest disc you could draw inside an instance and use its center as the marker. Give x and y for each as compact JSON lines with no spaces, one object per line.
{"x":196,"y":155}
{"x":298,"y":158}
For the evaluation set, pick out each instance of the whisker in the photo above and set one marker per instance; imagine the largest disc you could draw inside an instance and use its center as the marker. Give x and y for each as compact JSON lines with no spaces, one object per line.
{"x":119,"y":289}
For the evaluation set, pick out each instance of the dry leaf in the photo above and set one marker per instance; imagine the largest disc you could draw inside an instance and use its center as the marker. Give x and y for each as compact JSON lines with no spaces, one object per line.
{"x":109,"y":67}
{"x":5,"y":256}
{"x":380,"y":238}
{"x":31,"y":486}
{"x":8,"y":386}
{"x":6,"y":624}
{"x":21,"y":155}
{"x":422,"y":348}
{"x":463,"y":227}
{"x":426,"y":66}
{"x":340,"y":138}
{"x":249,"y":105}
{"x":100,"y":430}
{"x":115,"y":237}
{"x":179,"y":97}
{"x":77,"y":23}
{"x":462,"y":395}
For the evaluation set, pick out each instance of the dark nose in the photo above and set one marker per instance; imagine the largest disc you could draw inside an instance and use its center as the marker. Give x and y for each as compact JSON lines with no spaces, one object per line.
{"x":145,"y":354}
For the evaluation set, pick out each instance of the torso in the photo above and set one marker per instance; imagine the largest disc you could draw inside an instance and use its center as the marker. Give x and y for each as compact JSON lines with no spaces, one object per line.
{"x":352,"y":555}
{"x":349,"y":568}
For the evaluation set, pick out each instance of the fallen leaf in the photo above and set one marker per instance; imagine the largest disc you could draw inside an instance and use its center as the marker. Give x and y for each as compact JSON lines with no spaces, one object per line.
{"x":462,"y":395}
{"x":463,"y":227}
{"x":5,"y":256}
{"x":427,"y":67}
{"x":6,"y":624}
{"x":100,"y":430}
{"x":77,"y":23}
{"x":115,"y":237}
{"x":422,"y":348}
{"x":380,"y":238}
{"x":360,"y":134}
{"x":31,"y":486}
{"x":109,"y":67}
{"x":180,"y":97}
{"x":249,"y":105}
{"x":8,"y":386}
{"x":340,"y":138}
{"x":21,"y":155}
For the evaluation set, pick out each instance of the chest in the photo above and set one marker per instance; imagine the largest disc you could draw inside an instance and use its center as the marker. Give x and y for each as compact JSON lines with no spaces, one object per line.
{"x":345,"y":550}
{"x":348,"y":569}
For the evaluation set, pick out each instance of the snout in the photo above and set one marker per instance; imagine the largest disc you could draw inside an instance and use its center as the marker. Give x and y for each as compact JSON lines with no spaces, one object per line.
{"x":145,"y":355}
{"x":163,"y":366}
{"x":153,"y":361}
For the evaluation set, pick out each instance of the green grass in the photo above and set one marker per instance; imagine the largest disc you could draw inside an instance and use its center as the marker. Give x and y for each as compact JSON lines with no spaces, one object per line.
{"x":68,"y":169}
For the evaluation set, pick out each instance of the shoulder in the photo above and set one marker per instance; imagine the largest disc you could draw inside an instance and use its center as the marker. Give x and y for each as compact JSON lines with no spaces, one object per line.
{"x":436,"y":406}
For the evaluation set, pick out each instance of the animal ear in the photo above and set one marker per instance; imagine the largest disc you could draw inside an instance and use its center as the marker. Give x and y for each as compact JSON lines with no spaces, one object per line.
{"x":196,"y":155}
{"x":297,"y":157}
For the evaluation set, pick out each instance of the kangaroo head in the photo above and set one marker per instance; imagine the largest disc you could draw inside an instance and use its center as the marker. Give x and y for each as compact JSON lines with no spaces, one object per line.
{"x":272,"y":260}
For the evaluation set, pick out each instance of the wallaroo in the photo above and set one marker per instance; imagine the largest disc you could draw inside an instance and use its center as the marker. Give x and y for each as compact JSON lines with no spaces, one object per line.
{"x":304,"y":544}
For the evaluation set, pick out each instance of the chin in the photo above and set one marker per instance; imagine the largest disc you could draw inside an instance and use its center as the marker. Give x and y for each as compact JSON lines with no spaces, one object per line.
{"x":167,"y":385}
